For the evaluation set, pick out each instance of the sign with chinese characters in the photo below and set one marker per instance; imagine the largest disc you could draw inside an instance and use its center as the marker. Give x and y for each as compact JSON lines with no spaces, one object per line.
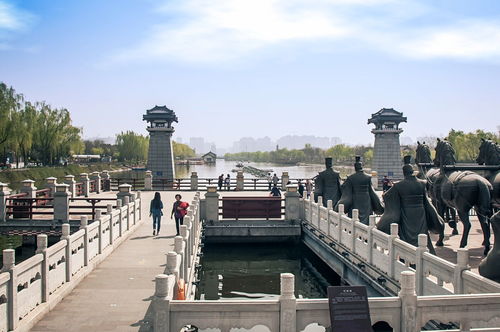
{"x":349,"y":309}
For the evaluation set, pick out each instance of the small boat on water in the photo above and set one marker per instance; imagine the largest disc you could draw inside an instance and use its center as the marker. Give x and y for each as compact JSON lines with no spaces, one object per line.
{"x":239,"y":164}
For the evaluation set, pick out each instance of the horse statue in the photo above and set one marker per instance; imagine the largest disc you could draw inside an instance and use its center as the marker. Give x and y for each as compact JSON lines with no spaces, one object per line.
{"x":489,"y":154}
{"x":462,"y":191}
{"x":423,"y":159}
{"x":488,"y":267}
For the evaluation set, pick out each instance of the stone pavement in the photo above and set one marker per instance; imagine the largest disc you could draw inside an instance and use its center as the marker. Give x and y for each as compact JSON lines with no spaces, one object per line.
{"x":116,"y":296}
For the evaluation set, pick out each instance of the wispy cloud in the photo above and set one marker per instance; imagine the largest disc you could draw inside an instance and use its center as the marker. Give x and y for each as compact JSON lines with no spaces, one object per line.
{"x":225,"y":30}
{"x":12,"y":18}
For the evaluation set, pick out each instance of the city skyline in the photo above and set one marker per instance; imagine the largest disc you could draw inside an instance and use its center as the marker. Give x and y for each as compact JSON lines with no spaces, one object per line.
{"x":232,"y":69}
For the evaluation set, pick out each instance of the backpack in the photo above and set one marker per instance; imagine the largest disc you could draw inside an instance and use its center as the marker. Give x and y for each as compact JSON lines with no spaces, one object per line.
{"x":183,"y":206}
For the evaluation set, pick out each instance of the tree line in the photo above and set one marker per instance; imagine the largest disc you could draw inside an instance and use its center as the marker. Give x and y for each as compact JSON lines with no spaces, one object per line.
{"x":466,"y":146}
{"x":35,"y":131}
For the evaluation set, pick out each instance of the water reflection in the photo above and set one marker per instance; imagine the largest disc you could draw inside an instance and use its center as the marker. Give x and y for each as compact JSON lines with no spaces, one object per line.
{"x":252,"y":271}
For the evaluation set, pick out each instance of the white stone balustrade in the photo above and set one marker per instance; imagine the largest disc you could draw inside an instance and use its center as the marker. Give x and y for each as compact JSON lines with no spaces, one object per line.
{"x":84,"y":178}
{"x":31,"y":288}
{"x":4,"y":193}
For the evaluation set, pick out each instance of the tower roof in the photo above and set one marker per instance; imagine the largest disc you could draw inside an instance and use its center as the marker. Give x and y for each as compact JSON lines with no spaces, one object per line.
{"x":387,"y":115}
{"x":161,"y":113}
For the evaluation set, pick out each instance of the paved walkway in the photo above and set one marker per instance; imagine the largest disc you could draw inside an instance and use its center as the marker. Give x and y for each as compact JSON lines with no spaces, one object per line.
{"x":116,"y":295}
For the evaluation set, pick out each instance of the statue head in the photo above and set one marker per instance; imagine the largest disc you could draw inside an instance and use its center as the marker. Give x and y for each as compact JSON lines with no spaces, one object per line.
{"x":407,"y":168}
{"x":358,"y":165}
{"x":328,"y":162}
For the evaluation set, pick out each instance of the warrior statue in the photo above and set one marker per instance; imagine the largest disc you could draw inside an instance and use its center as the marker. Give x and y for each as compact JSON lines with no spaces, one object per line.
{"x":488,"y":267}
{"x":328,"y":184}
{"x":358,"y":193}
{"x":407,"y":205}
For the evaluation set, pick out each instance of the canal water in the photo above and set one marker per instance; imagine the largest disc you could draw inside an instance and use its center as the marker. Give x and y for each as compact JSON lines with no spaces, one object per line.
{"x":252,"y":271}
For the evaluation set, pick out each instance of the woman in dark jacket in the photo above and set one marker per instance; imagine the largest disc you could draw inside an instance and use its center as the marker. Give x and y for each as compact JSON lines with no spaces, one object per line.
{"x":155,"y":210}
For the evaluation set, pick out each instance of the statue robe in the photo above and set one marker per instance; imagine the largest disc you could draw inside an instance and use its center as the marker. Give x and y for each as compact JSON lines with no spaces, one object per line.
{"x":329,"y":186}
{"x":358,"y":193}
{"x":407,"y":204}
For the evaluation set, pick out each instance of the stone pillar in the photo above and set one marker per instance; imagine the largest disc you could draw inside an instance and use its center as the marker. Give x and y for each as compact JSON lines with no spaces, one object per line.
{"x":124,"y":190}
{"x":9,"y":258}
{"x":84,"y":177}
{"x":61,"y":203}
{"x":29,"y":188}
{"x":70,"y":181}
{"x":284,"y":180}
{"x":148,"y":181}
{"x":4,"y":193}
{"x":194,"y":181}
{"x":212,"y":204}
{"x":106,"y":185}
{"x":41,"y":248}
{"x":292,"y":203}
{"x":97,"y":182}
{"x":462,"y":265}
{"x":51,"y":183}
{"x":240,"y":181}
{"x":161,"y":303}
{"x":419,"y":262}
{"x":66,"y":232}
{"x":409,"y":319}
{"x":288,"y":309}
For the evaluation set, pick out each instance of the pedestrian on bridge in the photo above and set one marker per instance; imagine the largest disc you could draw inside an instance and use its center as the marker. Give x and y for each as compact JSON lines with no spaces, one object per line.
{"x":155,"y":210}
{"x":227,"y":182}
{"x":220,"y":181}
{"x":179,"y":210}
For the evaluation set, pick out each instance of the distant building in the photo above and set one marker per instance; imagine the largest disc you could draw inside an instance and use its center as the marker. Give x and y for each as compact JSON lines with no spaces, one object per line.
{"x":209,"y":158}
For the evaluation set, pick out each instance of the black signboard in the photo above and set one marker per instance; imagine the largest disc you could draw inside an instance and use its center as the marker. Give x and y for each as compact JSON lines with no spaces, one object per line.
{"x":349,"y":309}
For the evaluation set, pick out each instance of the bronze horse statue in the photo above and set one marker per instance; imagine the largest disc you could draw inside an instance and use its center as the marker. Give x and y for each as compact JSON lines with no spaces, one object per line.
{"x":462,"y":191}
{"x":423,"y":159}
{"x":489,"y":154}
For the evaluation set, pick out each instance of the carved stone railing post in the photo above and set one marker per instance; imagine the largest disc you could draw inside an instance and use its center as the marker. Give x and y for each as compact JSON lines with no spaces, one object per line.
{"x":179,"y":249}
{"x":161,"y":304}
{"x":392,"y":254}
{"x":172,"y":261}
{"x":185,"y":233}
{"x":28,"y":187}
{"x":318,"y":212}
{"x":194,"y":181}
{"x":292,"y":204}
{"x":41,"y":248}
{"x":70,"y":181}
{"x":106,"y":181}
{"x":84,"y":177}
{"x":284,"y":180}
{"x":61,"y":203}
{"x":51,"y":183}
{"x":462,"y":265}
{"x":126,"y":200}
{"x":329,"y":207}
{"x":409,"y":319}
{"x":419,"y":261}
{"x":212,"y":204}
{"x":288,"y":305}
{"x":371,"y":226}
{"x":354,"y":220}
{"x":4,"y":193}
{"x":341,"y":222}
{"x":9,"y":258}
{"x":109,"y":211}
{"x":66,"y":236}
{"x":84,"y":221}
{"x":240,"y":181}
{"x":96,"y":177}
{"x":124,"y":190}
{"x":148,"y":181}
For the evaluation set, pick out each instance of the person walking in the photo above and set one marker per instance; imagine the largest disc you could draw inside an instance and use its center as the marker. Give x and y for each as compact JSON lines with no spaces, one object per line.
{"x":275,"y":180}
{"x":301,"y":188}
{"x":155,"y":208}
{"x":308,"y":188}
{"x":386,"y":184}
{"x":275,"y":191}
{"x":179,"y":210}
{"x":227,"y":182}
{"x":269,"y":180}
{"x":221,"y":181}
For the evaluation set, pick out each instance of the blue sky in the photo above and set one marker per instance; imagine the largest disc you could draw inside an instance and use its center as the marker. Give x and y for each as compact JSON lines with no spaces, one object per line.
{"x":232,"y":68}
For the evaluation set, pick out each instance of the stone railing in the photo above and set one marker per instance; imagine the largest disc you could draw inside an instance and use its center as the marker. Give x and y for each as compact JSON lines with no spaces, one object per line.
{"x":183,"y":261}
{"x":405,"y":313}
{"x":30,"y":289}
{"x":390,"y":255}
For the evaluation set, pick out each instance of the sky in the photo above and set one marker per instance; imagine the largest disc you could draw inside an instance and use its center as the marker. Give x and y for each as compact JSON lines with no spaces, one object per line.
{"x":235,"y":68}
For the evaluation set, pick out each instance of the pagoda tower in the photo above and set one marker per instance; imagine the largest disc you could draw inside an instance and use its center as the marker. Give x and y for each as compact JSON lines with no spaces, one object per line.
{"x":160,"y":153}
{"x":387,"y":150}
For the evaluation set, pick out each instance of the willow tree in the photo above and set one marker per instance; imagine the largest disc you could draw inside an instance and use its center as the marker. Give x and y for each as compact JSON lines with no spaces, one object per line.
{"x":132,"y":146}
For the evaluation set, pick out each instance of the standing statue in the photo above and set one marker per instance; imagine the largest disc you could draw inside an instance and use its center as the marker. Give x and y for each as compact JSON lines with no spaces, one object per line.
{"x":328,"y":184}
{"x":488,"y":267}
{"x":358,"y":193}
{"x":407,"y":204}
{"x":462,"y":191}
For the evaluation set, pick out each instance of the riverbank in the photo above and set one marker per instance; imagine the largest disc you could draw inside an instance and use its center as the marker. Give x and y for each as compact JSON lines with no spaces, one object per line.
{"x":14,"y":176}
